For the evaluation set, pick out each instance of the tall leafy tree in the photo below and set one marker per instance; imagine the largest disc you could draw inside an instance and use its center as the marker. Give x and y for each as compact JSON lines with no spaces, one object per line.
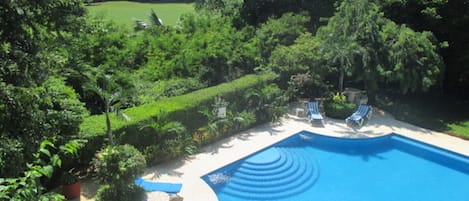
{"x":340,"y":53}
{"x":448,"y":20}
{"x":99,"y":46}
{"x":301,"y":67}
{"x":224,"y":7}
{"x":113,"y":96}
{"x":256,"y":12}
{"x":205,"y":47}
{"x":30,"y":114}
{"x":282,"y":31}
{"x":34,"y":105}
{"x":382,"y":52}
{"x":27,"y":28}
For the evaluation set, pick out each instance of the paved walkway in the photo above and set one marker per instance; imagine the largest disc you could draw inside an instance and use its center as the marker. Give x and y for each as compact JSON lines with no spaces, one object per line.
{"x":189,"y":170}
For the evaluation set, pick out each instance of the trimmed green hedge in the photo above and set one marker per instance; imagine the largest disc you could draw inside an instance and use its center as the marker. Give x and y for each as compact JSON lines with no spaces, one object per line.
{"x":95,"y":125}
{"x":184,"y":109}
{"x":338,"y":107}
{"x":339,"y":110}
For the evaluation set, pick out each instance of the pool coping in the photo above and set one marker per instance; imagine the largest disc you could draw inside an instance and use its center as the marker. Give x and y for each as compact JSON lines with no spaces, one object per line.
{"x":189,"y":170}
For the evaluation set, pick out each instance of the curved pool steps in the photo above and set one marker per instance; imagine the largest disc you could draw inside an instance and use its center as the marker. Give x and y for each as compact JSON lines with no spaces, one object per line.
{"x":258,"y":178}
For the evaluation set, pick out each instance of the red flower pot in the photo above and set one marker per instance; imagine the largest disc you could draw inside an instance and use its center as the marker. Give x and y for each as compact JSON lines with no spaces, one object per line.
{"x":71,"y":191}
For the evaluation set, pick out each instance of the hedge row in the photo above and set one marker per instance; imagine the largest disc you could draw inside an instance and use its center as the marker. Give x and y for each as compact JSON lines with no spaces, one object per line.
{"x":182,"y":108}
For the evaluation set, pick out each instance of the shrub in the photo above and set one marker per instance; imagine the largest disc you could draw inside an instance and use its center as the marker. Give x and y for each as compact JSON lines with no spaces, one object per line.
{"x":117,"y":167}
{"x":30,"y":186}
{"x":111,"y":192}
{"x":338,"y":107}
{"x":156,"y":90}
{"x":181,"y":105}
{"x":121,"y":163}
{"x":185,"y":110}
{"x":306,"y":85}
{"x":10,"y":160}
{"x":269,"y":102}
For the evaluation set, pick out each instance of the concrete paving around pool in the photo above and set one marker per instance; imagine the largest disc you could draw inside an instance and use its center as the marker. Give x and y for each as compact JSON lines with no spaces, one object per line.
{"x":189,"y":170}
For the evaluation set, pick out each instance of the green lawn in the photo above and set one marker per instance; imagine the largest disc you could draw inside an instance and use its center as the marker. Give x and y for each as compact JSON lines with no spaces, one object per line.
{"x":449,"y":114}
{"x":126,"y":12}
{"x":460,"y":129}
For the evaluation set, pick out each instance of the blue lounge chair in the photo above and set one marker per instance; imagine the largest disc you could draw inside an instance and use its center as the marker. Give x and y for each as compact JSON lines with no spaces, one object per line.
{"x":313,"y":111}
{"x":170,"y":188}
{"x":358,"y":117}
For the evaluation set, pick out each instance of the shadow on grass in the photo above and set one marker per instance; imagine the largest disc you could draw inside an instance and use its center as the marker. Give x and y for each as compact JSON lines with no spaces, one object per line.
{"x":432,"y":112}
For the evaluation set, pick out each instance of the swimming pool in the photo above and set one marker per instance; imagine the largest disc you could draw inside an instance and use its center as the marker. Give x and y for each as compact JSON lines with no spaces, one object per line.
{"x":308,"y":166}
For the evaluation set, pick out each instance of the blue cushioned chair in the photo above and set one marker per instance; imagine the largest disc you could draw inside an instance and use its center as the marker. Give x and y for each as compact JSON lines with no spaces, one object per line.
{"x":313,"y":111}
{"x":170,"y":188}
{"x":358,"y":117}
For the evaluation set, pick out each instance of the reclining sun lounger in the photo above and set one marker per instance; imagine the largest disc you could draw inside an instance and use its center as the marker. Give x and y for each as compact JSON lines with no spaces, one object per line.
{"x":358,"y":117}
{"x":170,"y":188}
{"x":313,"y":111}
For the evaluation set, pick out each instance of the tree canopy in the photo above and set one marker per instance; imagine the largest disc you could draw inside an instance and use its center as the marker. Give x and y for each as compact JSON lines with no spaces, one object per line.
{"x":377,"y":51}
{"x":50,"y":50}
{"x":35,"y":105}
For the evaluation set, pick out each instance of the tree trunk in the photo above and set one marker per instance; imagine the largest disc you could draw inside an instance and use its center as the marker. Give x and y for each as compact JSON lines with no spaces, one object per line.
{"x":341,"y":80}
{"x":371,"y":90}
{"x":108,"y":125}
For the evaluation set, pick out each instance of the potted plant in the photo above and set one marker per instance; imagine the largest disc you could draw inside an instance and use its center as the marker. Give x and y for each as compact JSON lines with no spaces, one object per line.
{"x":70,"y":184}
{"x":338,"y":107}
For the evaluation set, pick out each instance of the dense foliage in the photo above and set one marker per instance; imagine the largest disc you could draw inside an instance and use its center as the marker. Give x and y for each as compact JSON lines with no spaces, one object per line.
{"x":338,"y":107}
{"x":163,"y":130}
{"x":376,"y":51}
{"x":449,"y":21}
{"x":117,"y":167}
{"x":29,"y":186}
{"x":58,"y":66}
{"x":34,"y":104}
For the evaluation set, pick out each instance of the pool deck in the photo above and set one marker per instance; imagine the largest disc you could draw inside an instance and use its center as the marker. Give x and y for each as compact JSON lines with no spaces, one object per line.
{"x":189,"y":170}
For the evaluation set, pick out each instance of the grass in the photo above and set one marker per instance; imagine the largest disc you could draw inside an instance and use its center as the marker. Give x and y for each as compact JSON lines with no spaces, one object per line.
{"x":125,"y":12}
{"x":448,"y":114}
{"x":460,"y":129}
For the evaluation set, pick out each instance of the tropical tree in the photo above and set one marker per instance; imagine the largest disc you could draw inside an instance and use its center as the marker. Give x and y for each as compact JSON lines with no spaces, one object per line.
{"x":301,"y":66}
{"x":112,"y":95}
{"x":163,"y":128}
{"x":35,"y":105}
{"x":340,"y":53}
{"x":32,"y":114}
{"x":28,"y":29}
{"x":204,"y":47}
{"x":228,"y":8}
{"x":449,"y":22}
{"x":268,"y":103}
{"x":282,"y":31}
{"x":374,"y":50}
{"x":417,"y":66}
{"x":256,"y":12}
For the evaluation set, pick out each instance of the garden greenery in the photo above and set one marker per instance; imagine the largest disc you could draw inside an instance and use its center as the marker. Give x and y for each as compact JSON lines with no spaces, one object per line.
{"x":159,"y":141}
{"x":171,"y":75}
{"x":117,"y":167}
{"x":338,"y":107}
{"x":29,"y":186}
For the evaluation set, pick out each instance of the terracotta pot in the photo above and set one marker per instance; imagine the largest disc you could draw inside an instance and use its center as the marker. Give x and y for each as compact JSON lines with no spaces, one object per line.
{"x":71,"y":191}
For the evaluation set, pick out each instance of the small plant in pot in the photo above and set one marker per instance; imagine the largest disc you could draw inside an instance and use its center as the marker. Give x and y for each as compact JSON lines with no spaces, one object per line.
{"x":70,"y":184}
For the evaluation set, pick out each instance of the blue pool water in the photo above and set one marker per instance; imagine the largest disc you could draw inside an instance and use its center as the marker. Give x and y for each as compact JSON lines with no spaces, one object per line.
{"x":309,"y":166}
